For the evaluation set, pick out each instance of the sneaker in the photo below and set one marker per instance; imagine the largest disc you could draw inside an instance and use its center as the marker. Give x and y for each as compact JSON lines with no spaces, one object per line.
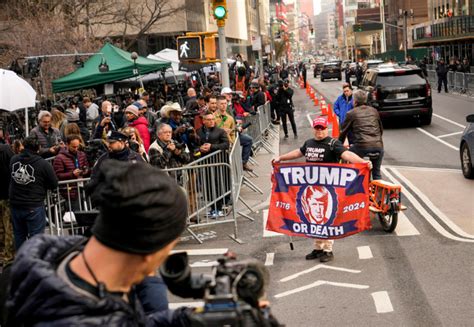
{"x":326,"y":257}
{"x":314,"y":254}
{"x":286,"y":136}
{"x":247,"y":167}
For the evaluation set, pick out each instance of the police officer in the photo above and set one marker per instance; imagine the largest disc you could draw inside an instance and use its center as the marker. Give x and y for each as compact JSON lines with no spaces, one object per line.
{"x":442,"y":72}
{"x":330,"y":151}
{"x":284,"y":100}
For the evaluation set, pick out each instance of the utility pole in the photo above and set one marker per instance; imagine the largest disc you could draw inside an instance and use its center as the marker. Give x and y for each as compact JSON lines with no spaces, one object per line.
{"x":383,"y":42}
{"x":219,"y":8}
{"x":272,"y":41}
{"x":404,"y":14}
{"x":259,"y":33}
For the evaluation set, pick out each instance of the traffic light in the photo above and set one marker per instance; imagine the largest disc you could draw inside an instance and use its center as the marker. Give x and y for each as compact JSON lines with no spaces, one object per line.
{"x":189,"y":48}
{"x":211,"y":47}
{"x":219,"y":10}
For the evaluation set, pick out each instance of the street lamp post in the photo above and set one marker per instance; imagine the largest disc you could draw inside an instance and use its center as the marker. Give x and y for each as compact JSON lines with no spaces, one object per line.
{"x":136,"y":72}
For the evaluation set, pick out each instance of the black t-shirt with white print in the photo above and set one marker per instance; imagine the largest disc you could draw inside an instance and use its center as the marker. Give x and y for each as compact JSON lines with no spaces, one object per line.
{"x":323,"y":150}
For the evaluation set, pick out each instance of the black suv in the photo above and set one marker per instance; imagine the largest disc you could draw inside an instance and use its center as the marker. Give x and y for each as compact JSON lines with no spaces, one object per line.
{"x":331,"y":70}
{"x":398,"y":91}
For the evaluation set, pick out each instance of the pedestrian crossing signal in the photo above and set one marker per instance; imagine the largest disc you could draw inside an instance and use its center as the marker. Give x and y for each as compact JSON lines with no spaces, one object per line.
{"x":189,"y":48}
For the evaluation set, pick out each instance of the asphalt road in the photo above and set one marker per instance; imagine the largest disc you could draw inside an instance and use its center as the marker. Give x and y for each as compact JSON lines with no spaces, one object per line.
{"x":421,"y":275}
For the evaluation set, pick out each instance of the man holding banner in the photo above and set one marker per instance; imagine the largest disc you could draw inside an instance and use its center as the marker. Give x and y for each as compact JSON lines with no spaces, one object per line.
{"x":320,"y":199}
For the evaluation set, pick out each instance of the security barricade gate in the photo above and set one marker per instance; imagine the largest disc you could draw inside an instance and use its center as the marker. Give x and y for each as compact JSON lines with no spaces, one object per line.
{"x":68,"y":208}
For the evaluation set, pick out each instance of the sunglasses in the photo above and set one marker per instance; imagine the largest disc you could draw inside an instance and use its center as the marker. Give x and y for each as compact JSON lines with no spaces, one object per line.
{"x":320,"y":128}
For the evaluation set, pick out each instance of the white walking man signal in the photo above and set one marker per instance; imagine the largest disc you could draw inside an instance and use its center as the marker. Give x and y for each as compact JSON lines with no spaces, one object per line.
{"x":184,"y":49}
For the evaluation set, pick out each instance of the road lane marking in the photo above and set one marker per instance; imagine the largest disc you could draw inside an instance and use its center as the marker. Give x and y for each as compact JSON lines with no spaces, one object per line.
{"x":382,"y":302}
{"x":437,"y":139}
{"x":319,"y":266}
{"x":450,"y":134}
{"x":202,"y":251}
{"x":268,"y":233}
{"x":449,"y":120}
{"x":269,"y":259}
{"x":203,"y":263}
{"x":174,"y":306}
{"x":404,"y":226}
{"x":364,"y":252}
{"x":319,"y":283}
{"x":429,"y":218}
{"x":455,"y":228}
{"x":447,"y":170}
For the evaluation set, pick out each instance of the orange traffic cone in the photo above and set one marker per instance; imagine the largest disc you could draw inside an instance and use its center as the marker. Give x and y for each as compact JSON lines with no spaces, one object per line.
{"x":324,"y":109}
{"x":316,"y":101}
{"x":335,"y":127}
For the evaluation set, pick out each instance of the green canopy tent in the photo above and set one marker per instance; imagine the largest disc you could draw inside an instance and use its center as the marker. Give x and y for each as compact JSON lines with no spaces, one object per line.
{"x":121,"y":66}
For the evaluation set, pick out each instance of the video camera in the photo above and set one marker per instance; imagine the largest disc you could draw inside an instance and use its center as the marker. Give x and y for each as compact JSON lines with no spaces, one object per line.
{"x":231,"y":293}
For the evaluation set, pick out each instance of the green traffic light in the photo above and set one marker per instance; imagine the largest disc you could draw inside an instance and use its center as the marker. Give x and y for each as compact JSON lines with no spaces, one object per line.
{"x":220,"y":12}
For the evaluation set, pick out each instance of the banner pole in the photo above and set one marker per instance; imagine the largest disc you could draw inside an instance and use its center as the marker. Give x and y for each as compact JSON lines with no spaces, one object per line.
{"x":291,"y":243}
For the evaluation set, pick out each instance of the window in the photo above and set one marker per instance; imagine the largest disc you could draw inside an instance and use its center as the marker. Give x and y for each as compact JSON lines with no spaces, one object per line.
{"x":400,"y":80}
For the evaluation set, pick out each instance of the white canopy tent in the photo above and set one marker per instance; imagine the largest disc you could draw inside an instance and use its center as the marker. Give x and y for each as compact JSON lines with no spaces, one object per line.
{"x":15,"y":94}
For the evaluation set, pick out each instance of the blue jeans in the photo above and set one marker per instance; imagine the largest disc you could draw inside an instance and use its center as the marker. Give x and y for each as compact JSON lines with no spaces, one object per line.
{"x":246,"y":142}
{"x":27,"y":222}
{"x":152,"y":294}
{"x":376,"y":163}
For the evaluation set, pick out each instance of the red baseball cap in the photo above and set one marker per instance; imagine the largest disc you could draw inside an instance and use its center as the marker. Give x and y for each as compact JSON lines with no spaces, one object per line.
{"x":320,"y":121}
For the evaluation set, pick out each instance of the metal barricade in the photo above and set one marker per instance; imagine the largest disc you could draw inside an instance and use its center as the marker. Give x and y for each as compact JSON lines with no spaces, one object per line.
{"x":458,"y":82}
{"x":64,"y":203}
{"x":432,"y":77}
{"x":469,"y":84}
{"x":451,"y":85}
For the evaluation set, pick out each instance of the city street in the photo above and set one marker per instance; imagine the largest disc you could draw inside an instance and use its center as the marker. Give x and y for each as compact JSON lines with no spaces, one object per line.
{"x":421,"y":275}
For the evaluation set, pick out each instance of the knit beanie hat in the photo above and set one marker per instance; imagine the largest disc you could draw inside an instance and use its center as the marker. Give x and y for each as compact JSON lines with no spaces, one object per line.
{"x":141,"y":209}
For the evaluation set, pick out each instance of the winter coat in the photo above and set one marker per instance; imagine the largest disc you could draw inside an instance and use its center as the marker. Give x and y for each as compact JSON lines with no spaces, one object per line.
{"x":46,"y":140}
{"x":342,"y":106}
{"x":6,"y":153}
{"x":64,"y":164}
{"x":141,"y":124}
{"x":163,"y":158}
{"x":284,"y":100}
{"x":125,"y":155}
{"x":39,"y":296}
{"x":441,"y":70}
{"x":216,"y":136}
{"x":366,"y":127}
{"x":32,"y":176}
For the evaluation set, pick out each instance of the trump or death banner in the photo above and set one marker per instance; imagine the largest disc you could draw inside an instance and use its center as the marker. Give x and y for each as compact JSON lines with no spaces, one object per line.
{"x":326,"y":201}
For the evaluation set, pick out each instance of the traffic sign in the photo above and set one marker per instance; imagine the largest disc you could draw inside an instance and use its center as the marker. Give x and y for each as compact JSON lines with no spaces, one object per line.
{"x":189,"y":48}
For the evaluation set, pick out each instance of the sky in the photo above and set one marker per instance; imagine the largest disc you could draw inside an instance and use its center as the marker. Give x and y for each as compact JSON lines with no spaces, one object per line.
{"x":316,"y":7}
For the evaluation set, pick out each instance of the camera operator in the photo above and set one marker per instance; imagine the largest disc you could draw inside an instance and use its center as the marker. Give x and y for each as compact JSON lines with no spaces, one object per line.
{"x":285,"y":106}
{"x":74,"y":281}
{"x":183,"y":130}
{"x":105,"y":123}
{"x":166,"y":152}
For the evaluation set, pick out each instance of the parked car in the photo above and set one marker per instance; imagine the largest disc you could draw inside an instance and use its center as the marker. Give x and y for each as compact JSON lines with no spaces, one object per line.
{"x":317,"y":69}
{"x":398,"y":91}
{"x":331,"y":70}
{"x":467,"y":148}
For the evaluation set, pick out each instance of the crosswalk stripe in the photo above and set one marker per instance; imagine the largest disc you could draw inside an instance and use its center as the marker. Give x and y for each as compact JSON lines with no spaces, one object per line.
{"x":405,"y":227}
{"x":176,"y":305}
{"x":202,"y":251}
{"x":364,"y":252}
{"x":267,"y":233}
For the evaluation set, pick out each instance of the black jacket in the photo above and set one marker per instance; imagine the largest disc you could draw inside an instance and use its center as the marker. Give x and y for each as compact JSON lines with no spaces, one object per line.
{"x":125,"y":155}
{"x":284,"y":99}
{"x":38,"y":296}
{"x":441,"y":70}
{"x":6,"y":153}
{"x":32,"y":176}
{"x":257,"y":99}
{"x":216,"y":136}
